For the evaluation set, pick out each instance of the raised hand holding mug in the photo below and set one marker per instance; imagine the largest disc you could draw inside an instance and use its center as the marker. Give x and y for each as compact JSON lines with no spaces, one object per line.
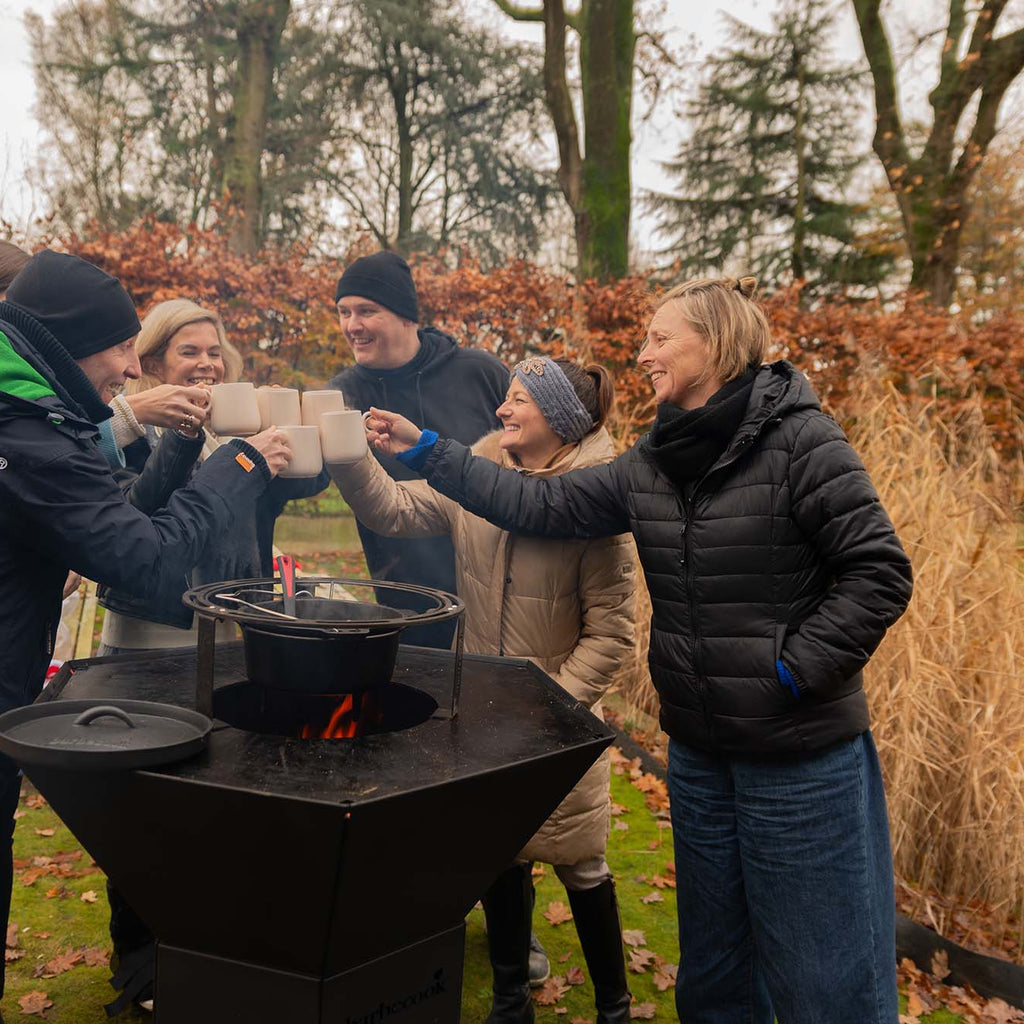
{"x":390,"y":433}
{"x":304,"y":442}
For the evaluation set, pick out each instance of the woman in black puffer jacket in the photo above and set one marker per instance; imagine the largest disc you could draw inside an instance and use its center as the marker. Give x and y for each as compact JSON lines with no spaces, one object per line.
{"x":774,"y":573}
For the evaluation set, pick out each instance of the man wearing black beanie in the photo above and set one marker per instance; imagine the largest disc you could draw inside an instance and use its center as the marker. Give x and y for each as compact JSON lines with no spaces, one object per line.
{"x":67,"y":334}
{"x":421,"y":373}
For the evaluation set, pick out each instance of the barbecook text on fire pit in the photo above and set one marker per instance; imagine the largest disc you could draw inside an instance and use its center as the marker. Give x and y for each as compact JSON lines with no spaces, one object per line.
{"x":312,"y":880}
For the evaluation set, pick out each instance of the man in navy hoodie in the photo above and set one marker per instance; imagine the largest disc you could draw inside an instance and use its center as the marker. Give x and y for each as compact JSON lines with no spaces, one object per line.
{"x":421,"y":373}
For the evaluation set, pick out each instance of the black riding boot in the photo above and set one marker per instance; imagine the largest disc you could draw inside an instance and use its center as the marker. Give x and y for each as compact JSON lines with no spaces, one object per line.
{"x":507,"y":907}
{"x":595,"y":912}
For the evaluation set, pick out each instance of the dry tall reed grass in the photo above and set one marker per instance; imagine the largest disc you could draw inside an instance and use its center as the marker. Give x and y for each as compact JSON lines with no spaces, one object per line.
{"x":946,"y":686}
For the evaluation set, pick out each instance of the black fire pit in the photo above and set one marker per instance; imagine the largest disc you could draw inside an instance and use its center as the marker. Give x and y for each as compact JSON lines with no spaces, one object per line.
{"x":319,"y":881}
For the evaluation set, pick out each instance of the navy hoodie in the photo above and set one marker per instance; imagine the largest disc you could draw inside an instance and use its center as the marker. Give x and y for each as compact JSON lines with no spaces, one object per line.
{"x":454,"y":391}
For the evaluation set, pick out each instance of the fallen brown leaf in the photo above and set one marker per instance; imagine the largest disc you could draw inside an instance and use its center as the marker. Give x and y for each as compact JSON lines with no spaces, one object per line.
{"x":58,"y":892}
{"x":564,"y":957}
{"x":665,"y":977}
{"x":561,"y":1009}
{"x":60,"y":964}
{"x":537,"y":871}
{"x":96,"y":957}
{"x":654,"y":844}
{"x":89,"y":896}
{"x":652,"y":897}
{"x":620,"y":826}
{"x":10,"y":955}
{"x":35,"y":801}
{"x":35,"y":1002}
{"x":940,"y":965}
{"x":19,"y":813}
{"x":552,"y":991}
{"x":618,"y":809}
{"x":42,"y":935}
{"x":663,"y":882}
{"x":575,"y":976}
{"x":557,"y":913}
{"x":580,"y":1020}
{"x":12,"y":936}
{"x":642,"y":1011}
{"x":634,"y":937}
{"x":46,"y":832}
{"x":640,"y":960}
{"x":996,"y":1011}
{"x":915,"y":1005}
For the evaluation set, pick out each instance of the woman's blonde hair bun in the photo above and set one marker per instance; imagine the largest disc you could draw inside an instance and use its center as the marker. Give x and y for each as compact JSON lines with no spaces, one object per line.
{"x":746,"y":286}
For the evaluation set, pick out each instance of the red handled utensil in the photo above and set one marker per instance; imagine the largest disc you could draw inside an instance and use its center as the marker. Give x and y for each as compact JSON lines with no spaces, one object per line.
{"x":286,"y":568}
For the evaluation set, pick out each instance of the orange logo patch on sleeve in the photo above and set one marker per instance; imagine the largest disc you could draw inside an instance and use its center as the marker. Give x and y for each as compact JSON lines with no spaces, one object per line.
{"x":245,"y":462}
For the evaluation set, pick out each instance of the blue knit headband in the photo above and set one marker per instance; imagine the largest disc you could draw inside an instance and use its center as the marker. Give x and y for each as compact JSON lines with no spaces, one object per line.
{"x":555,"y":396}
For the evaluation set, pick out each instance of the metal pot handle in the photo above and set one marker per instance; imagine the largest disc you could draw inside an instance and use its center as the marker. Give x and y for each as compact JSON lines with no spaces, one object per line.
{"x":88,"y":717}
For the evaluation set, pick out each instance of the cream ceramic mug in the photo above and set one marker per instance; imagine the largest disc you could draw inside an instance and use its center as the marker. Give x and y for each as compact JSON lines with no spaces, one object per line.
{"x":343,"y":435}
{"x":305,"y":445}
{"x":234,"y":409}
{"x":316,"y":403}
{"x":279,"y":407}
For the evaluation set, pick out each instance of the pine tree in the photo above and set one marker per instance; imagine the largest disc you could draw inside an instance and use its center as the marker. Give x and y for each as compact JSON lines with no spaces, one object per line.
{"x":764,"y":175}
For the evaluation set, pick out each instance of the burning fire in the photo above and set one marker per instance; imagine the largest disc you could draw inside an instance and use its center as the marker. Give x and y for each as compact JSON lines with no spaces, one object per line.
{"x":353,"y":716}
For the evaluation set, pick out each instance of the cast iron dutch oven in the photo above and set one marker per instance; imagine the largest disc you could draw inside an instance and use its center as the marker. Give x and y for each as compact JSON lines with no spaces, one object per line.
{"x":102,"y":736}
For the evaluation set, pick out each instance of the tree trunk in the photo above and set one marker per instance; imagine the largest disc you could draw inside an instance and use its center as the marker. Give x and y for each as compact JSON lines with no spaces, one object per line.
{"x":595,"y":182}
{"x":800,"y":210}
{"x":260,"y":27}
{"x":931,"y":189}
{"x":400,"y":94}
{"x":607,"y":44}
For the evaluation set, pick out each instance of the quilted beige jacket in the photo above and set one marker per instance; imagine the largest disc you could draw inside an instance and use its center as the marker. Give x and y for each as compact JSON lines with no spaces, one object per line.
{"x":566,"y":604}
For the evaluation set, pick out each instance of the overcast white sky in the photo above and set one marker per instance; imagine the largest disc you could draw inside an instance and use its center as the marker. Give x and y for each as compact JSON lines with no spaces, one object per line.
{"x":701,"y":20}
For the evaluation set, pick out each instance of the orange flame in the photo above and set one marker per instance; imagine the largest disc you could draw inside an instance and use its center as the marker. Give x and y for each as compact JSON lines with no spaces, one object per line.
{"x":344,"y":722}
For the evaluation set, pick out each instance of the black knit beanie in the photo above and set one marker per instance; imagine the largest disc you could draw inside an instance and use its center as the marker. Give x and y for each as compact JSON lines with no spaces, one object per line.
{"x":383,"y":277}
{"x":83,"y":307}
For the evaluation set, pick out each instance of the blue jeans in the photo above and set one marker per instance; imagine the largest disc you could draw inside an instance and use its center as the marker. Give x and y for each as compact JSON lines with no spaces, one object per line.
{"x":785,"y":888}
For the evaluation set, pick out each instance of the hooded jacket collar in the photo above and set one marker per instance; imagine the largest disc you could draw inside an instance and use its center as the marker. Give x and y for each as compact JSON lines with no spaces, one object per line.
{"x":779,"y":390}
{"x":436,"y":349}
{"x":43,"y":354}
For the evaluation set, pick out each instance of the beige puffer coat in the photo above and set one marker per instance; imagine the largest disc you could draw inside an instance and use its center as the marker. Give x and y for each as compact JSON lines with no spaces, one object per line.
{"x":566,"y":604}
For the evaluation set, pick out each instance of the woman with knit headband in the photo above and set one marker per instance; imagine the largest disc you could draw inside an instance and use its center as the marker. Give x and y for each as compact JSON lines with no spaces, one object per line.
{"x":567,"y":605}
{"x":774,"y":572}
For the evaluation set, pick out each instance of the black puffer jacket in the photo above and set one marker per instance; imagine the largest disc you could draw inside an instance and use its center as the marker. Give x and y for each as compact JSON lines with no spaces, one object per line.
{"x":61,"y":509}
{"x":782,"y":551}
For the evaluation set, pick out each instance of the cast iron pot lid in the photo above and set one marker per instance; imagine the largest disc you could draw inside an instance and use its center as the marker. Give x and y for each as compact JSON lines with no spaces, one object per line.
{"x":102,"y":735}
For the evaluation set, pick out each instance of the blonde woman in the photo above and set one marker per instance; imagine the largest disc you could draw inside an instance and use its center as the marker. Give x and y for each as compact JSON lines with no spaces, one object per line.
{"x":568,"y":605}
{"x":774,"y":573}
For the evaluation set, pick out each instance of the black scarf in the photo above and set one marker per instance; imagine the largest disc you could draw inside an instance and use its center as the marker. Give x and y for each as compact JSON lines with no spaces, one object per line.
{"x":685,"y":443}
